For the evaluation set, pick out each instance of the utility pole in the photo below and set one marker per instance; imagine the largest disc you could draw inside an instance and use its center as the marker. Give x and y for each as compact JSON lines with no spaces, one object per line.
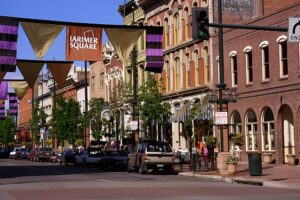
{"x":86,"y":104}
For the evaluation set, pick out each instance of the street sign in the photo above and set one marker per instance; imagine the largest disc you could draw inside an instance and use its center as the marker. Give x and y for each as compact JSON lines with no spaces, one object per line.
{"x":42,"y":131}
{"x":294,"y":29}
{"x":221,"y":118}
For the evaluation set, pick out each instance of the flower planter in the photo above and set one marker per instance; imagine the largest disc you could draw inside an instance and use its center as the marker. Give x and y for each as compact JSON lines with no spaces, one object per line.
{"x":231,"y":168}
{"x":267,"y":158}
{"x":291,"y":159}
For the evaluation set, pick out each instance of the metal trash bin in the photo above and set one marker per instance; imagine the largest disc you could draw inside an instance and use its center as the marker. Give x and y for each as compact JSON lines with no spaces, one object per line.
{"x":255,"y":166}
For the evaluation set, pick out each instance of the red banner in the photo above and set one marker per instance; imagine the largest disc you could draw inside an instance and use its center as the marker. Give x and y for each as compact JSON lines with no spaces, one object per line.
{"x":84,"y":43}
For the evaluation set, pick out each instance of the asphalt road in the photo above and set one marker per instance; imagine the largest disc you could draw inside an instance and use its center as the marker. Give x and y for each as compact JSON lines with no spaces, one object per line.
{"x":26,"y":180}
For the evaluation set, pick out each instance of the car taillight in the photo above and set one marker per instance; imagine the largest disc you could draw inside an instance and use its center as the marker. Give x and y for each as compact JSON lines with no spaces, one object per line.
{"x":146,"y":157}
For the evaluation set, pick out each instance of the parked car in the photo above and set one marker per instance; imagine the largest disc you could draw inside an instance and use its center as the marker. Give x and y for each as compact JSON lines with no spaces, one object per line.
{"x":22,"y":153}
{"x":67,"y":156}
{"x":90,"y":156}
{"x":32,"y":154}
{"x":150,"y":154}
{"x":114,"y":160}
{"x":4,"y":153}
{"x":43,"y":154}
{"x":12,"y":154}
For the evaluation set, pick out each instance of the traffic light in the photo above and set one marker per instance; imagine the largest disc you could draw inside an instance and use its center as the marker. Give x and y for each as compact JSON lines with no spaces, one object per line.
{"x":200,"y":23}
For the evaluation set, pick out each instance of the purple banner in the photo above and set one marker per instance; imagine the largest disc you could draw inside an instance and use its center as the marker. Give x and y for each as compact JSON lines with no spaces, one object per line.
{"x":3,"y":90}
{"x":13,"y":104}
{"x":2,"y":111}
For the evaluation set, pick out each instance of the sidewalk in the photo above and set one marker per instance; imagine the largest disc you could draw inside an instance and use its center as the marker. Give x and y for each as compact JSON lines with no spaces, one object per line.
{"x":283,"y":176}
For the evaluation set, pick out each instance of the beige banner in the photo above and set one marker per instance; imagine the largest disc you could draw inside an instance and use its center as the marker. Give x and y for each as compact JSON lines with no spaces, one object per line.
{"x":1,"y":101}
{"x":83,"y":43}
{"x":60,"y":71}
{"x":30,"y":71}
{"x":2,"y":74}
{"x":123,"y":40}
{"x":41,"y":36}
{"x":20,"y":88}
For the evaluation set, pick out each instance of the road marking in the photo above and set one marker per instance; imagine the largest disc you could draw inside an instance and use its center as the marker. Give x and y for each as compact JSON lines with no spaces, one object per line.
{"x":105,"y":180}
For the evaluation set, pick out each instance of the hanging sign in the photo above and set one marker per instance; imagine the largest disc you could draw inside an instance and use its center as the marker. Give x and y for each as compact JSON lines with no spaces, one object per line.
{"x":221,"y":118}
{"x":294,"y":29}
{"x":84,"y":43}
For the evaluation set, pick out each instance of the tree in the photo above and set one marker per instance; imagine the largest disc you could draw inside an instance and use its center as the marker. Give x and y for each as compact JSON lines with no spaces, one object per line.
{"x":94,"y":116}
{"x":37,"y":121}
{"x":6,"y":131}
{"x":151,"y":106}
{"x":67,"y":120}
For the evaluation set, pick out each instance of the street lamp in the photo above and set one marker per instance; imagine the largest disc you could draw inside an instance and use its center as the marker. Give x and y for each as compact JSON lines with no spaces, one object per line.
{"x":221,"y":95}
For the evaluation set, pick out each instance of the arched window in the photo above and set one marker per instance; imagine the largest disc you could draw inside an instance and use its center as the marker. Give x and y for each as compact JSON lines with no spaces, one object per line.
{"x":251,"y":131}
{"x":249,"y":64}
{"x":282,"y":41}
{"x":186,"y":24}
{"x":268,"y":130}
{"x":265,"y":60}
{"x":188,"y":70}
{"x":166,"y":33}
{"x":177,"y":74}
{"x":196,"y":64}
{"x":234,"y":68}
{"x":236,"y":123}
{"x":168,"y":70}
{"x":206,"y":66}
{"x":176,"y":28}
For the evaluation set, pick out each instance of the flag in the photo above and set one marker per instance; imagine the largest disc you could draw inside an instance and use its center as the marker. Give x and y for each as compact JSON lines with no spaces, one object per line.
{"x":8,"y":44}
{"x":154,"y":51}
{"x":83,"y":43}
{"x":13,"y":104}
{"x":2,"y":110}
{"x":3,"y":90}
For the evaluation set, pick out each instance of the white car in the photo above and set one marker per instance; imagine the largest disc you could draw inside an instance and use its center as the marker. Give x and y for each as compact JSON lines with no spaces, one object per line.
{"x":12,"y":154}
{"x":90,"y":156}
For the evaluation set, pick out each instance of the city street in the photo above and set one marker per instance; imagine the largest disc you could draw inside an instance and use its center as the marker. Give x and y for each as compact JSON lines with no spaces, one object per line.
{"x":22,"y":179}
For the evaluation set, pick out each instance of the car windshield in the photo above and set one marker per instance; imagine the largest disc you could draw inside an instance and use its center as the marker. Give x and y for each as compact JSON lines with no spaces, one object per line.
{"x":159,"y":147}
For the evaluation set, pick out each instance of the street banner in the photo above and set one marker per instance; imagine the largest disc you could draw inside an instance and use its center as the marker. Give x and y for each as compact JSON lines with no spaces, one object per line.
{"x":154,"y":50}
{"x":41,"y":36}
{"x":30,"y":70}
{"x":60,"y":71}
{"x":3,"y":90}
{"x":8,"y":44}
{"x":13,"y":104}
{"x":2,"y":110}
{"x":84,"y":43}
{"x":20,"y":88}
{"x":123,"y":40}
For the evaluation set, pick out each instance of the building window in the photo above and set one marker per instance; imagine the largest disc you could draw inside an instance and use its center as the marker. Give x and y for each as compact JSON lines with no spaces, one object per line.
{"x":166,"y":33}
{"x":186,"y":24}
{"x":251,"y":131}
{"x":168,"y":85}
{"x":178,"y":74}
{"x":188,"y":70}
{"x":196,"y":61}
{"x":249,"y":69}
{"x":282,"y":40}
{"x":265,"y":60}
{"x":102,"y":80}
{"x":206,"y":66}
{"x":234,"y":68}
{"x":236,"y":127}
{"x":268,"y":130}
{"x":176,"y":29}
{"x":93,"y":83}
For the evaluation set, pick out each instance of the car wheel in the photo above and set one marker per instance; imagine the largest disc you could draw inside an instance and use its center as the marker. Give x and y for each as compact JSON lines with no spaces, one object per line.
{"x":142,"y":168}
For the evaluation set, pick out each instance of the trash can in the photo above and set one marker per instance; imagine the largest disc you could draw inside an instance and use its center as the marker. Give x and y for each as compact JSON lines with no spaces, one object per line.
{"x":255,"y":168}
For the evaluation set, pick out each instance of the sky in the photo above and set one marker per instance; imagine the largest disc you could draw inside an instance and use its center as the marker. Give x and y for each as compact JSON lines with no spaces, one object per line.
{"x":88,"y":11}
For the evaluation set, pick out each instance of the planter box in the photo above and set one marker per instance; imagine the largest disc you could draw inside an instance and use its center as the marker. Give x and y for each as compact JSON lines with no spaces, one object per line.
{"x":291,"y":159}
{"x":267,"y":158}
{"x":231,"y":168}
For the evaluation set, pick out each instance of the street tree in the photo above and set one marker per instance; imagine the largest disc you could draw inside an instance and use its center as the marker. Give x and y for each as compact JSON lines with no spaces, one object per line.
{"x":96,"y":106}
{"x":152,"y":109}
{"x":37,"y":121}
{"x":6,"y":131}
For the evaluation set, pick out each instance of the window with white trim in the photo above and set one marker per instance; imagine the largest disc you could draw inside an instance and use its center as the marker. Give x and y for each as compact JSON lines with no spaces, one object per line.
{"x":249,"y":69}
{"x":234,"y":68}
{"x":188,"y":70}
{"x":283,"y":61}
{"x":251,"y":131}
{"x":196,"y":61}
{"x":166,"y":33}
{"x":236,"y":123}
{"x":265,"y":60}
{"x":268,"y":130}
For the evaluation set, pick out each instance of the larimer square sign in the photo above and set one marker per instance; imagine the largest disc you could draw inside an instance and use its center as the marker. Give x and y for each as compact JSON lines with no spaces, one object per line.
{"x":294,"y":29}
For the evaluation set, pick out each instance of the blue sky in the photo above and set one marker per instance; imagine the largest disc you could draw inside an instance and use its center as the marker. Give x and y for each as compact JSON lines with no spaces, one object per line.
{"x":88,"y":11}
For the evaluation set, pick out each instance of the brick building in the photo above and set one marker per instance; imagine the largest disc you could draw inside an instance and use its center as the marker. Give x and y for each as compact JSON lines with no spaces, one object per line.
{"x":263,"y":67}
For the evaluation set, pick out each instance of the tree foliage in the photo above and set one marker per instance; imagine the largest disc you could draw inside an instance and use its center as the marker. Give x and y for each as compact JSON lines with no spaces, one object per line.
{"x":37,"y":121}
{"x":94,"y":116}
{"x":67,"y":120}
{"x":6,"y":131}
